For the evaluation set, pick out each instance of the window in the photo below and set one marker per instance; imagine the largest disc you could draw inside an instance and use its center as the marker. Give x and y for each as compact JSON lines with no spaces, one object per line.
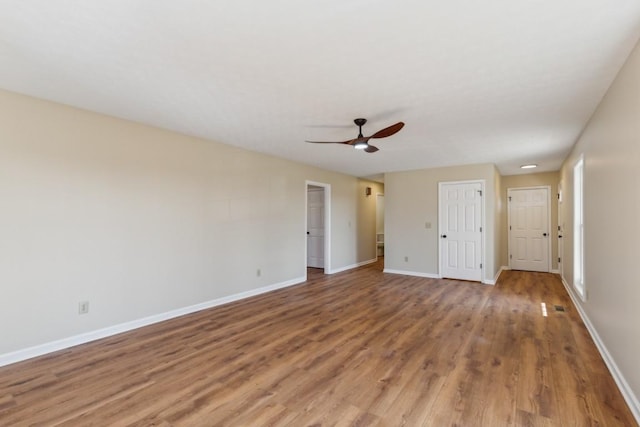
{"x":578,"y":229}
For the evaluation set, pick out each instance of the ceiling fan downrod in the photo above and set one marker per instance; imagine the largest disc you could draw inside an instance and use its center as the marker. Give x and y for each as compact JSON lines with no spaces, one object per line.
{"x":360,"y":145}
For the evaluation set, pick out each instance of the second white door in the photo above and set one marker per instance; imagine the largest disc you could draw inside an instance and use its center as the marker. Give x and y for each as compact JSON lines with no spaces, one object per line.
{"x":529,"y":228}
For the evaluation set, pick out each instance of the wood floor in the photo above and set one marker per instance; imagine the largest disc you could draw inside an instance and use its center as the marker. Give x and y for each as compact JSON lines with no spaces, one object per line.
{"x":356,"y":348}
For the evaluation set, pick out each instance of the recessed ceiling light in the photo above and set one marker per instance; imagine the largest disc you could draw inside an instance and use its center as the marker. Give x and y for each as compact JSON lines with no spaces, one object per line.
{"x":528,"y":166}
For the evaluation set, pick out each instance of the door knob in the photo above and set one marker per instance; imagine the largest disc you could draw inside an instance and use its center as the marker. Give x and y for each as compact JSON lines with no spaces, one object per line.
{"x":307,"y":232}
{"x":444,"y":236}
{"x":544,"y":234}
{"x":560,"y":236}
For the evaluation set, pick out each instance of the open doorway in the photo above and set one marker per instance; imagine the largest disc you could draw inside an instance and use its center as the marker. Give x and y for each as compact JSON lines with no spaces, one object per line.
{"x":379,"y":225}
{"x":318,"y":226}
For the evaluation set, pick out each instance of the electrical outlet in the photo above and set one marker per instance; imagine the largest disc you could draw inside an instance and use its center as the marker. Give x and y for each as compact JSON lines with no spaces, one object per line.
{"x":83,"y":307}
{"x":258,"y":273}
{"x":406,"y":259}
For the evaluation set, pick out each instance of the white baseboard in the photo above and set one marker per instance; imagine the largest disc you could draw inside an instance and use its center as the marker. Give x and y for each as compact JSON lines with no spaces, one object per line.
{"x":352,"y":266}
{"x":555,"y":271}
{"x":495,"y":279}
{"x":50,"y":347}
{"x":412,"y":273}
{"x":437,"y":276}
{"x":427,"y":275}
{"x":625,"y":389}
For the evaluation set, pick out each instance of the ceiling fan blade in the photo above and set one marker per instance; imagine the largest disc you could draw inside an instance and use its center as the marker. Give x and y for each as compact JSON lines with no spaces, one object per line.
{"x":331,"y":142}
{"x":371,"y":149}
{"x":388,"y":131}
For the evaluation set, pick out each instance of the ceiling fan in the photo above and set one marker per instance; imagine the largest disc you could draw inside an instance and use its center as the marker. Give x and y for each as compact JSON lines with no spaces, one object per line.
{"x":362,"y":142}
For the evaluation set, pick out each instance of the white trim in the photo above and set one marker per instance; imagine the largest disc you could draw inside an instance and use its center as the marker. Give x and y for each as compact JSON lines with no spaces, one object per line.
{"x":50,"y":347}
{"x":555,"y":271}
{"x":497,"y":276}
{"x":352,"y":266}
{"x":412,"y":273}
{"x":560,"y":231}
{"x":483,"y":209}
{"x":621,"y":382}
{"x":327,"y":222}
{"x":550,"y":232}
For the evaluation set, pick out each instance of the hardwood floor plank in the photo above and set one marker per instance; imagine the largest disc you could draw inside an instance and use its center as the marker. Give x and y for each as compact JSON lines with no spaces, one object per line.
{"x":355,"y":348}
{"x":535,"y":391}
{"x":414,"y":402}
{"x":526,"y":419}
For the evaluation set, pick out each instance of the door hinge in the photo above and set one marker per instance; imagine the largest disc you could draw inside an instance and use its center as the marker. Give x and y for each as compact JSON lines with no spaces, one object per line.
{"x":559,"y":260}
{"x":509,"y":227}
{"x":481,"y":229}
{"x":480,"y":193}
{"x":558,"y":228}
{"x":510,"y":256}
{"x":480,"y":265}
{"x":509,"y":198}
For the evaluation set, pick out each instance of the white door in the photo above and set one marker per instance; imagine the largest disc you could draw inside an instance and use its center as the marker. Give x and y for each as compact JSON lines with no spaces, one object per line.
{"x":460,"y":219}
{"x":315,"y":227}
{"x":529,"y":228}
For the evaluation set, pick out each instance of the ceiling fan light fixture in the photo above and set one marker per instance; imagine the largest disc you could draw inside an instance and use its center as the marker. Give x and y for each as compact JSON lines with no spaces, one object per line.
{"x":360,"y":145}
{"x":361,"y":142}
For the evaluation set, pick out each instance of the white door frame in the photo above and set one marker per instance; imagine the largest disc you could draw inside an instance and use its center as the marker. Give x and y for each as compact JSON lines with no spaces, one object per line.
{"x":560,"y":233}
{"x":483,"y":220}
{"x":550,"y":252}
{"x":327,"y":224}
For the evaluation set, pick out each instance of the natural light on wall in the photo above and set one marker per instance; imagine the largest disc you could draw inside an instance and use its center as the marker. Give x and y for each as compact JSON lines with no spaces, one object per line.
{"x":578,"y":228}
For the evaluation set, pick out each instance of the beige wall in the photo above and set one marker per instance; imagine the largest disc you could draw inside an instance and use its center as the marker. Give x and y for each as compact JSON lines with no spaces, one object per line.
{"x":140,"y":221}
{"x":611,"y":148}
{"x":367,"y":219}
{"x":550,"y":179}
{"x":411,"y":199}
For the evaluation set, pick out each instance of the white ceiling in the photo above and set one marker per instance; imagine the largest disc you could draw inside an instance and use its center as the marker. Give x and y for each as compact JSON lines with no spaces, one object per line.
{"x":500,"y":81}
